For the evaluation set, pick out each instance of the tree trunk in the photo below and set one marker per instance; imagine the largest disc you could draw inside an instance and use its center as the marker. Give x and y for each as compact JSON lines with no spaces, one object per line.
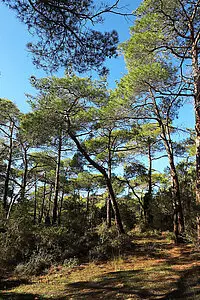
{"x":43,"y":199}
{"x":57,"y":179}
{"x":8,"y":169}
{"x":12,"y":202}
{"x":104,"y":173}
{"x":24,"y":179}
{"x":50,"y":196}
{"x":87,"y":203}
{"x":179,"y":226}
{"x":148,"y":195}
{"x":108,"y":206}
{"x":60,"y":209}
{"x":35,"y":202}
{"x":196,"y":75}
{"x":108,"y":211}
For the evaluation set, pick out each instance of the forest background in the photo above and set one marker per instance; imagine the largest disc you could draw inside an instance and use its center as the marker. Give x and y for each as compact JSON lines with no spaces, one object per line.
{"x":75,"y":204}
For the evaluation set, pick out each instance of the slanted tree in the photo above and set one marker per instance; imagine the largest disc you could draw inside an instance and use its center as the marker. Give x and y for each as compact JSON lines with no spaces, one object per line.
{"x":75,"y":99}
{"x":105,"y":145}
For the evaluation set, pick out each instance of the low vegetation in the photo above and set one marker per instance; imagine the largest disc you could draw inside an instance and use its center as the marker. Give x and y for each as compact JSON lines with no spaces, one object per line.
{"x":154,"y":268}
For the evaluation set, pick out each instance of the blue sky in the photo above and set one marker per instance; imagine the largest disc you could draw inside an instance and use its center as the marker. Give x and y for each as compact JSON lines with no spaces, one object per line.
{"x":15,"y":62}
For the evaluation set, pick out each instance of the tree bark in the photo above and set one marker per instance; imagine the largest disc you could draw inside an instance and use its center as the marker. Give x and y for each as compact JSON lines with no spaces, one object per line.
{"x":148,"y":196}
{"x":108,"y":206}
{"x":24,"y":179}
{"x":43,"y":199}
{"x":108,"y":211}
{"x":57,"y":182}
{"x":87,"y":203}
{"x":179,"y":226}
{"x":8,"y":169}
{"x":60,"y":208}
{"x":196,"y":75}
{"x":35,"y":202}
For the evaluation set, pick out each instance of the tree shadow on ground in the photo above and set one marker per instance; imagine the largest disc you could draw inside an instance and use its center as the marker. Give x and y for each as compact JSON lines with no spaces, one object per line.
{"x":138,"y":285}
{"x":8,"y":284}
{"x":16,"y":296}
{"x":188,"y":286}
{"x":173,"y":276}
{"x":116,"y":285}
{"x":156,"y":270}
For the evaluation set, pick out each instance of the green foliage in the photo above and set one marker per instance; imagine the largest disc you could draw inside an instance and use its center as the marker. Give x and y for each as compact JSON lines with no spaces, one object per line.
{"x":110,"y":243}
{"x":16,"y":240}
{"x":36,"y":265}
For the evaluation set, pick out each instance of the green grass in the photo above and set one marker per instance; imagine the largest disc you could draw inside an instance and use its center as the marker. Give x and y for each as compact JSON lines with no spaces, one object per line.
{"x":156,"y":269}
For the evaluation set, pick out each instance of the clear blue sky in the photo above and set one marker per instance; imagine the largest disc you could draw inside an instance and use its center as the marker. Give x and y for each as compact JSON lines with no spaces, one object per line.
{"x":16,"y":65}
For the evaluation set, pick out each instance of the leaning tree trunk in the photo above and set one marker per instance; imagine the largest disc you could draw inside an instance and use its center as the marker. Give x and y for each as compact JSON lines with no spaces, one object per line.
{"x":104,"y":173}
{"x":57,"y":179}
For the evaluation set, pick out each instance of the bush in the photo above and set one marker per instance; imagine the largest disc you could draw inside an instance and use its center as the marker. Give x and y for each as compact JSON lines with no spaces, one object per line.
{"x":16,"y":242}
{"x":37,"y":263}
{"x":110,"y":243}
{"x":71,"y":262}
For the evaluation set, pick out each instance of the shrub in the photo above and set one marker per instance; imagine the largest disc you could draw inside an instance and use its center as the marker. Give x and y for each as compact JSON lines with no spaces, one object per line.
{"x":16,"y":242}
{"x":71,"y":262}
{"x":110,"y":243}
{"x":37,"y":263}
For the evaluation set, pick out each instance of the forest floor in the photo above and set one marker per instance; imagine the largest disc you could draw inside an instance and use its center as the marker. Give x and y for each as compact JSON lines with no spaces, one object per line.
{"x":156,"y":269}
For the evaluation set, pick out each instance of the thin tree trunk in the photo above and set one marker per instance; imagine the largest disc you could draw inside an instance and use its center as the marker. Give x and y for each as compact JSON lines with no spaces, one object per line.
{"x":12,"y":201}
{"x":87,"y":203}
{"x":43,"y":199}
{"x":60,"y":209}
{"x":108,"y":211}
{"x":148,"y":196}
{"x":50,"y":196}
{"x":57,"y":182}
{"x":24,"y":179}
{"x":35,"y":203}
{"x":179,"y":226}
{"x":108,"y":206}
{"x":8,"y":169}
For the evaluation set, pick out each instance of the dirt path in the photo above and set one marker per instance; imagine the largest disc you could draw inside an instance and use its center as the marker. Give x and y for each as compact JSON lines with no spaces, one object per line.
{"x":157,"y":269}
